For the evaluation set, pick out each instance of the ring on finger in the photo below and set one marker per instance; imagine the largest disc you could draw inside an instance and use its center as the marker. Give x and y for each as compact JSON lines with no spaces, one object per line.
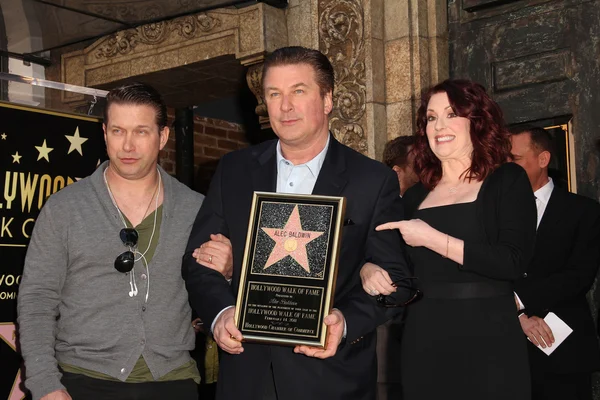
{"x":210,"y":258}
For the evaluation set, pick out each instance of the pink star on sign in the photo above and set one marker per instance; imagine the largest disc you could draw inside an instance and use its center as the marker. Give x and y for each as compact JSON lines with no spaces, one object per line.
{"x":291,"y":241}
{"x":8,"y":334}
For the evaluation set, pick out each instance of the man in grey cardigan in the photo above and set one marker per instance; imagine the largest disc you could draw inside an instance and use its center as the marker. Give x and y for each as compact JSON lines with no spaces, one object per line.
{"x":103,"y":310}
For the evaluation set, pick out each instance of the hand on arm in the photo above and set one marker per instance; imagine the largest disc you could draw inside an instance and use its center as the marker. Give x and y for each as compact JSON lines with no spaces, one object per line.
{"x":385,"y":249}
{"x":376,"y":280}
{"x":537,"y":331}
{"x":335,"y":332}
{"x":216,"y":254}
{"x":208,"y":292}
{"x":198,"y":325}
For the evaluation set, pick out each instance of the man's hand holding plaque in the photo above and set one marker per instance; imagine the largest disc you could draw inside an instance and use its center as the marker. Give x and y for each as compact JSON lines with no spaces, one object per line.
{"x":226,"y":334}
{"x":335,"y":321}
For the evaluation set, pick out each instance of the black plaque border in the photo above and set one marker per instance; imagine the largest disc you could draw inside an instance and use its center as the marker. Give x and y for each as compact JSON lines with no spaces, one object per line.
{"x":335,"y":230}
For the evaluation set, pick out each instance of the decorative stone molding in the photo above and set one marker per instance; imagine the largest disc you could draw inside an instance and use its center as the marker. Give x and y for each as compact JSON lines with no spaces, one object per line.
{"x":248,"y":33}
{"x":342,"y":40}
{"x":254,"y":80}
{"x":122,"y":43}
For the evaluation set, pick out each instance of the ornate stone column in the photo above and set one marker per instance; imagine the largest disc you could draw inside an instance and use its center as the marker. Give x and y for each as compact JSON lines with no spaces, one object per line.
{"x":416,"y":56}
{"x":385,"y":52}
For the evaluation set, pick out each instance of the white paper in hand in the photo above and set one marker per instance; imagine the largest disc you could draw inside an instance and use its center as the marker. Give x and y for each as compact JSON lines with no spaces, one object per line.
{"x":560,"y":330}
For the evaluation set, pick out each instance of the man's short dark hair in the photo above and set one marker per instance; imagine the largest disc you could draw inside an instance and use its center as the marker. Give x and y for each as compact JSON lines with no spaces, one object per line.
{"x":293,"y":55}
{"x":138,"y":94}
{"x":540,"y":137}
{"x":396,"y":151}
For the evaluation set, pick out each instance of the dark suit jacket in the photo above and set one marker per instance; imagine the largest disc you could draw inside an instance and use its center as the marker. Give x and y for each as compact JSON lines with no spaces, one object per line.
{"x":567,"y":256}
{"x":372,"y":195}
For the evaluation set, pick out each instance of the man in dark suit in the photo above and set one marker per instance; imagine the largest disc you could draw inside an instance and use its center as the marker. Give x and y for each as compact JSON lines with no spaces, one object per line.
{"x":298,"y":89}
{"x":567,"y":256}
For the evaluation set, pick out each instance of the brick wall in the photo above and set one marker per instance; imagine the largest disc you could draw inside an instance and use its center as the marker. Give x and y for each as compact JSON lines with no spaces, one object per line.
{"x":213,"y":138}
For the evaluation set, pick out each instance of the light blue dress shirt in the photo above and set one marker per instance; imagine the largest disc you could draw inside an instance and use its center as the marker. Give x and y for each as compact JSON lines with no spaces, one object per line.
{"x":298,"y":179}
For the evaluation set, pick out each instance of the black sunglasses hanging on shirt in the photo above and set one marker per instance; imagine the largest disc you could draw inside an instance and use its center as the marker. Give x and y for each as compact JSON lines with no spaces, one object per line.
{"x":124,"y":262}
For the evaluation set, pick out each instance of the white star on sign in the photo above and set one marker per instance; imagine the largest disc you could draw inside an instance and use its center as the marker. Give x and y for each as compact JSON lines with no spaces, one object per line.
{"x":76,"y":142}
{"x":16,"y":158}
{"x":44,"y":151}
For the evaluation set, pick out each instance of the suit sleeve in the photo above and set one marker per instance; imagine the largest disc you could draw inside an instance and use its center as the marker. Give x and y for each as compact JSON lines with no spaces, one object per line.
{"x":506,"y":256}
{"x":384,"y":248}
{"x":208,"y":290}
{"x":578,"y":274}
{"x":38,"y":300}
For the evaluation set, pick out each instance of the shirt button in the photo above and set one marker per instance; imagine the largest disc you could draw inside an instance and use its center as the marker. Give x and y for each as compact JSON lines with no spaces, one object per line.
{"x":144,"y":276}
{"x":143,"y":308}
{"x":525,"y":275}
{"x":122,"y":370}
{"x":291,"y":183}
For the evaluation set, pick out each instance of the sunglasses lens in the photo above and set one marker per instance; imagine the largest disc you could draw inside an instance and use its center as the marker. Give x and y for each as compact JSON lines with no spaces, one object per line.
{"x":124,"y":262}
{"x":129,"y":236}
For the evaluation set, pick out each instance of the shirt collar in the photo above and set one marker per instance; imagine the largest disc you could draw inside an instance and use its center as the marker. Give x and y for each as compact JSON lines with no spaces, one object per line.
{"x":314,"y":165}
{"x":543,"y":194}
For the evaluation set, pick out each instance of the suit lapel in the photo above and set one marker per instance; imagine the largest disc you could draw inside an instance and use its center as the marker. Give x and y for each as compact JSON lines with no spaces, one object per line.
{"x":264,"y":174}
{"x":332,"y":177}
{"x":554,"y":210}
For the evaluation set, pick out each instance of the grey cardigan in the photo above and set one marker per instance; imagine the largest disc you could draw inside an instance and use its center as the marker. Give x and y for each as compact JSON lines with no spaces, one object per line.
{"x":75,"y":308}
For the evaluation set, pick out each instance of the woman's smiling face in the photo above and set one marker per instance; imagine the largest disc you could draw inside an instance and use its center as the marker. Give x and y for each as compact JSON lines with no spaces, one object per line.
{"x":448,"y":134}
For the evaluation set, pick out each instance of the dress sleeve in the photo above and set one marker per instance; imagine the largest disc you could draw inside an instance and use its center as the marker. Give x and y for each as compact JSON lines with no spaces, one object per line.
{"x":508,"y":250}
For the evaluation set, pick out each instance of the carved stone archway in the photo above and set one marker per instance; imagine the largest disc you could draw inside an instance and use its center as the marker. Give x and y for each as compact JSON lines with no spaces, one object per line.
{"x":384,"y":52}
{"x":247,"y":34}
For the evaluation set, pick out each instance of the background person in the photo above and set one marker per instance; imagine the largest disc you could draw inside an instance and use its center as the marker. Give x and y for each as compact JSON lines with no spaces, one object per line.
{"x":562,"y":271}
{"x":398,"y":155}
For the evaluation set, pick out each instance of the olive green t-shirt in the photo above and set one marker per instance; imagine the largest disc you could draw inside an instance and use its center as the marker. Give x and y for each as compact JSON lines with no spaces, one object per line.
{"x":141,"y":372}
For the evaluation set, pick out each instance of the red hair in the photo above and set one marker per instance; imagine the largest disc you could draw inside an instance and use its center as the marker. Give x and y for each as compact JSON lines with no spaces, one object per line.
{"x":489,"y":135}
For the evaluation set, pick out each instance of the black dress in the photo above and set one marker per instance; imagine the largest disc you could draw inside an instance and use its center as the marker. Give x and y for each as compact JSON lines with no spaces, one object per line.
{"x":462,"y":340}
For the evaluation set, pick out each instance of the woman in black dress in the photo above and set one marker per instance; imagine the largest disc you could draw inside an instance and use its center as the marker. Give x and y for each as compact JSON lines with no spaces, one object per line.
{"x":470,"y":232}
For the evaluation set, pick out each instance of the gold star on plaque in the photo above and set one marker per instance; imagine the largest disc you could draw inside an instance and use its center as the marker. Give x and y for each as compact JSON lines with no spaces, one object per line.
{"x":16,"y":158}
{"x":76,"y":142}
{"x":4,"y":136}
{"x":44,"y":151}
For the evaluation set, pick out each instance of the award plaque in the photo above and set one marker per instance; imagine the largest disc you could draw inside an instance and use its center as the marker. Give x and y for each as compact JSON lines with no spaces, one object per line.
{"x":289,"y":269}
